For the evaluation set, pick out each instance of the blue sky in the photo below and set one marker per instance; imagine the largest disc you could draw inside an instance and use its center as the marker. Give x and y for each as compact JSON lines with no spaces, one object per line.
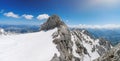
{"x":73,"y":12}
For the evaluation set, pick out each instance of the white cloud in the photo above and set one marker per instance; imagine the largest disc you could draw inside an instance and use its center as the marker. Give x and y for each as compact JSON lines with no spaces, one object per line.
{"x":29,"y":17}
{"x":107,"y":26}
{"x":11,"y":14}
{"x":42,"y":16}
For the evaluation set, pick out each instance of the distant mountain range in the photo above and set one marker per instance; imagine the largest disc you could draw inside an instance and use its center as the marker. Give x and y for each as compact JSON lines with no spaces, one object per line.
{"x":113,"y":35}
{"x":20,"y":28}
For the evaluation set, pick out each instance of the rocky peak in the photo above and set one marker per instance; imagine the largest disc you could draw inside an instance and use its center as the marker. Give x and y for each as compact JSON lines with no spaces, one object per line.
{"x":62,"y":39}
{"x":74,"y":45}
{"x":52,"y":22}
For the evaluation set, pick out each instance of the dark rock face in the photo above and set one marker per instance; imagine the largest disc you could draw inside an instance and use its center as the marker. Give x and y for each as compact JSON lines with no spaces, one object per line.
{"x":101,"y":50}
{"x":105,"y":43}
{"x":111,"y":55}
{"x":62,"y":39}
{"x":52,"y":22}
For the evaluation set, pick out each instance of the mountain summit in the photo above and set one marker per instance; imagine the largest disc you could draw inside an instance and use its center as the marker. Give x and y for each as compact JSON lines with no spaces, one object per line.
{"x":52,"y":22}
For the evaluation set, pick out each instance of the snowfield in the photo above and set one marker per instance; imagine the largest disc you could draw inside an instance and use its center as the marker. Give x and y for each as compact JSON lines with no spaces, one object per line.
{"x":28,"y":47}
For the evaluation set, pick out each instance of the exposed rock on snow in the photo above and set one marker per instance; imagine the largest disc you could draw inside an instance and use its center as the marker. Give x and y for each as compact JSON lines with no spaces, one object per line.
{"x":62,"y":39}
{"x":86,"y":46}
{"x":74,"y":45}
{"x":111,"y":55}
{"x":104,"y":46}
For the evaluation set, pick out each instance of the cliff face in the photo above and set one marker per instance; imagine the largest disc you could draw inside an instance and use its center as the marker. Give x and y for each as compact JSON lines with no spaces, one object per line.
{"x":74,"y":45}
{"x":62,"y":39}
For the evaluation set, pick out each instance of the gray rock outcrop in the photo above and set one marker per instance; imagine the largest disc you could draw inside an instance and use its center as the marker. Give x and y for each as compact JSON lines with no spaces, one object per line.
{"x":111,"y":55}
{"x":52,"y":22}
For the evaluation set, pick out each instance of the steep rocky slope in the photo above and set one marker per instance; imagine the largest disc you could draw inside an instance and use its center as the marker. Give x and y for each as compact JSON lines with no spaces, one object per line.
{"x":111,"y":55}
{"x":74,"y":45}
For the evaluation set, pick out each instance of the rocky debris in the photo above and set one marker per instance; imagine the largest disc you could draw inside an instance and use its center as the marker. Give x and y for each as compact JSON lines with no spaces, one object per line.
{"x":78,"y":42}
{"x":101,"y":50}
{"x":104,"y":46}
{"x":111,"y":55}
{"x":83,"y":38}
{"x":55,"y":58}
{"x":105,"y":43}
{"x":62,"y":39}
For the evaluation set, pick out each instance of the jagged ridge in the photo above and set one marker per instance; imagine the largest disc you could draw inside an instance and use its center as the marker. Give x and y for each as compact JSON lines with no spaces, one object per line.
{"x":74,"y":45}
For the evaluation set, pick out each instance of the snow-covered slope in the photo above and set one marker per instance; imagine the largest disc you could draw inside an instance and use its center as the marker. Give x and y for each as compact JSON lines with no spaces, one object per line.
{"x":27,"y":47}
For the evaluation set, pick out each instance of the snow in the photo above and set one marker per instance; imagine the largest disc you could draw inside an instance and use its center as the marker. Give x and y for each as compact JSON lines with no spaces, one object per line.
{"x":85,"y":41}
{"x":86,"y":58}
{"x":97,"y":42}
{"x":93,"y":55}
{"x":28,"y":47}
